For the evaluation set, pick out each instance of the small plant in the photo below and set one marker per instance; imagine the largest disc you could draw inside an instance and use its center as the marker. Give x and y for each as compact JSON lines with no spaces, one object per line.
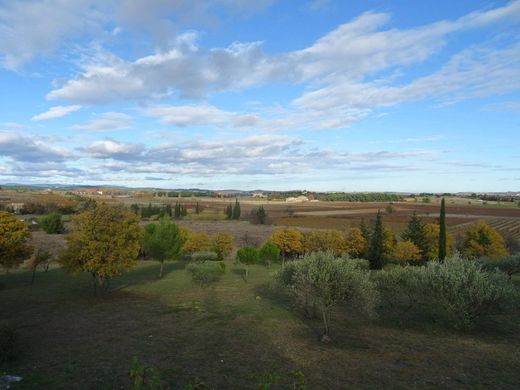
{"x":144,"y":377}
{"x":9,"y":343}
{"x":52,"y":224}
{"x":206,"y":273}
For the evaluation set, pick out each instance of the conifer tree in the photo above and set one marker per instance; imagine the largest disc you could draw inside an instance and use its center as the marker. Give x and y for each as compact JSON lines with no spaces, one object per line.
{"x":229,"y":211}
{"x":416,"y":233}
{"x":442,"y":232}
{"x":236,"y":210}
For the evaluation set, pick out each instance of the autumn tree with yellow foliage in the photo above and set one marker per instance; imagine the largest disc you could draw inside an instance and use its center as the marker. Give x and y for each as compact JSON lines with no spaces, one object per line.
{"x":324,"y":240}
{"x":432,"y":231}
{"x":406,"y":251}
{"x":289,"y":240}
{"x":196,"y":242}
{"x":104,"y":242}
{"x":483,"y":240}
{"x":13,"y":241}
{"x":222,"y":244}
{"x":356,"y":242}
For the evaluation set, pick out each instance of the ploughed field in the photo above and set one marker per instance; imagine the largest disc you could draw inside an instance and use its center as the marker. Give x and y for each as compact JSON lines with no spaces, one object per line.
{"x":233,"y":335}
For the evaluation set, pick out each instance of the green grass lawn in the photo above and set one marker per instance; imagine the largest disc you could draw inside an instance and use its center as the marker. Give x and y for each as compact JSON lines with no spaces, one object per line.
{"x":231,"y":334}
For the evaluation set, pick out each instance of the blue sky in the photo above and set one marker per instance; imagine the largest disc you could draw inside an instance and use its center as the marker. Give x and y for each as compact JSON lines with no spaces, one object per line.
{"x":325,"y":95}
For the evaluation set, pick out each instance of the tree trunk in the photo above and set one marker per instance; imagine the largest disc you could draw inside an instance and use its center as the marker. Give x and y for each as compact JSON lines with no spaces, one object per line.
{"x":325,"y":338}
{"x":33,"y":275}
{"x":161,"y":270}
{"x":247,"y":273}
{"x":94,"y":283}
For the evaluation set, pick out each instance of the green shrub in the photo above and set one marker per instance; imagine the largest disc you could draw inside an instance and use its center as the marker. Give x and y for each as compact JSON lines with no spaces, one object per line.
{"x":322,"y":281}
{"x":203,"y":256}
{"x":9,"y":343}
{"x":269,"y":253}
{"x":248,"y":255}
{"x":206,"y":273}
{"x":360,"y":263}
{"x":52,"y":224}
{"x":400,"y":288}
{"x":461,"y":293}
{"x":510,"y":265}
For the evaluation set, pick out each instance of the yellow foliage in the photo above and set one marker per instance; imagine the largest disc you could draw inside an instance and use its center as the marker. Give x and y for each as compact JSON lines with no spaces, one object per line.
{"x":104,"y":241}
{"x":323,"y":240}
{"x":222,"y":244}
{"x":289,"y":240}
{"x":356,"y":243}
{"x":482,"y":240}
{"x":13,"y":241}
{"x":390,"y":239}
{"x":196,"y":242}
{"x":406,"y":251}
{"x":431,"y":231}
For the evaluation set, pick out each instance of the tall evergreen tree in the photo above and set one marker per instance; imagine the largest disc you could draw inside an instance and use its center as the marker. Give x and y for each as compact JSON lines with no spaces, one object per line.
{"x":177,"y":210}
{"x":236,"y":210}
{"x":367,"y":235}
{"x":442,"y":232}
{"x":416,"y":233}
{"x":376,"y":252}
{"x":229,"y":211}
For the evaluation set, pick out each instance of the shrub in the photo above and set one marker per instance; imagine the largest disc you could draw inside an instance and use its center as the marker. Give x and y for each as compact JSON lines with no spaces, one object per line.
{"x":269,"y":253}
{"x":510,"y":265}
{"x":52,"y":224}
{"x":320,"y":280}
{"x":461,"y":293}
{"x":203,"y":256}
{"x":205,"y":273}
{"x":359,"y":263}
{"x":9,"y":343}
{"x":400,"y":288}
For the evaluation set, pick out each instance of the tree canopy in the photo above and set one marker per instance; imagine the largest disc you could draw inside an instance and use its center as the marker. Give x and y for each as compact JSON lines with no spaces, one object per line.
{"x":13,"y":241}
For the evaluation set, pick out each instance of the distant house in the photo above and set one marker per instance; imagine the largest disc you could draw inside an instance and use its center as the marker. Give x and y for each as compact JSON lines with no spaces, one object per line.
{"x":258,"y":195}
{"x":297,"y":199}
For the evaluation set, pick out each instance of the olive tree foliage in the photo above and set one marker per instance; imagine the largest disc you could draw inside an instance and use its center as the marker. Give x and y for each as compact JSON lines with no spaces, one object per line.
{"x":162,"y":241}
{"x":322,"y":281}
{"x":204,"y":273}
{"x":458,"y":292}
{"x":510,"y":265}
{"x":14,"y":235}
{"x":104,"y":241}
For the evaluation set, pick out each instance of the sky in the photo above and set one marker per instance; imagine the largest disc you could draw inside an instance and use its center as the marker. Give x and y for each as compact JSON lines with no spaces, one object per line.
{"x":322,"y":95}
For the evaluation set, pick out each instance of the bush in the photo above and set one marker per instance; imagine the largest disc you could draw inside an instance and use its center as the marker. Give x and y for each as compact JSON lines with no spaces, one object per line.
{"x":203,"y":256}
{"x":461,"y":292}
{"x":400,"y":288}
{"x":248,"y":255}
{"x":322,"y":281}
{"x":510,"y":265}
{"x":359,"y":263}
{"x":9,"y":343}
{"x":52,"y":224}
{"x":206,"y":273}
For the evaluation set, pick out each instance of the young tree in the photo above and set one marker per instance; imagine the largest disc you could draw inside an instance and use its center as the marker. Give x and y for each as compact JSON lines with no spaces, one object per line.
{"x":443,"y":242}
{"x":13,"y":241}
{"x":482,"y":240}
{"x":236,"y":210}
{"x":324,"y":281}
{"x":289,"y":240}
{"x":269,"y":253}
{"x":248,"y":255}
{"x":259,"y":215}
{"x":177,"y":211}
{"x":104,"y":242}
{"x":416,"y":234}
{"x":222,"y":244}
{"x":52,"y":224}
{"x":162,"y":241}
{"x":168,"y":210}
{"x":39,"y":258}
{"x":135,"y":208}
{"x":377,"y":250}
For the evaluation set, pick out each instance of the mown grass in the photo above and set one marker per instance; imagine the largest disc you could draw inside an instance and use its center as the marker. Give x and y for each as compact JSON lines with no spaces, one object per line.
{"x":230,"y":334}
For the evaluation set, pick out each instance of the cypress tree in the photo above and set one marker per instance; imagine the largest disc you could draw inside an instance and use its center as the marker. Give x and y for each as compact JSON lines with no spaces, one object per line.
{"x":229,"y":211}
{"x":376,"y":251}
{"x":236,"y":210}
{"x":442,"y":232}
{"x":177,"y":210}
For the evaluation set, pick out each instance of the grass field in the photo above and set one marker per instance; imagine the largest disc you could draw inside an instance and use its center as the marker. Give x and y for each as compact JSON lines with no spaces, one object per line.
{"x":231,"y":334}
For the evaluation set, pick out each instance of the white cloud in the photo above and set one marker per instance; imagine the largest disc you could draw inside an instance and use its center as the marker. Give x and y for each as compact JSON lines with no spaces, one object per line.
{"x":29,"y":149}
{"x":113,"y":149}
{"x":55,"y":112}
{"x":109,"y":121}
